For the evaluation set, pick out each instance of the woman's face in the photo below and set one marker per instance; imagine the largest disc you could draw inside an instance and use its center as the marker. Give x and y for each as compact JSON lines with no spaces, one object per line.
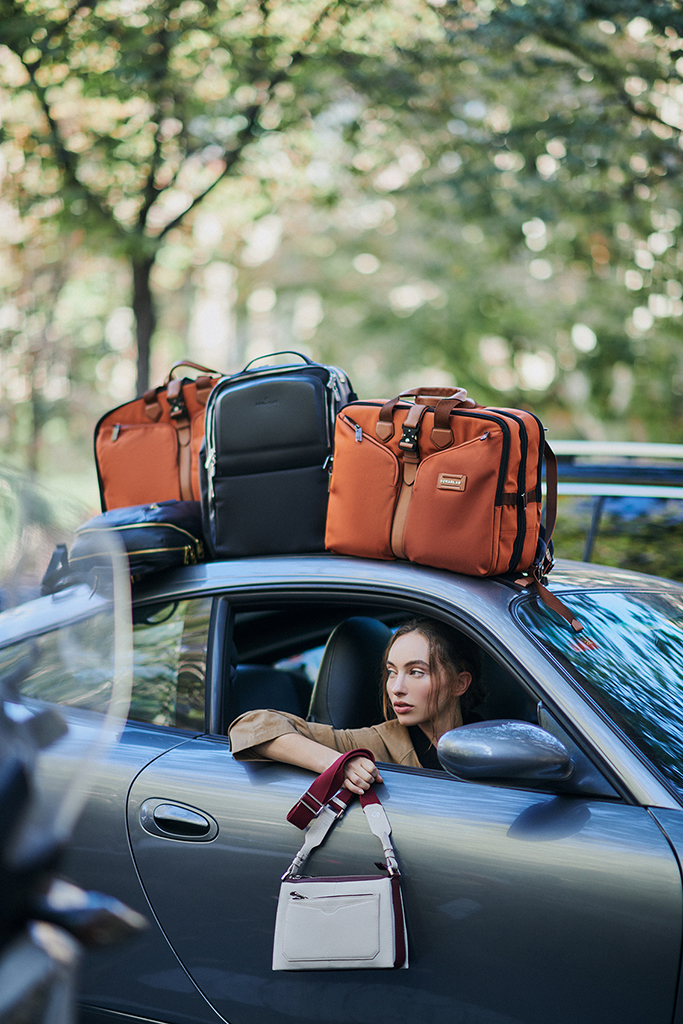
{"x":410,"y":682}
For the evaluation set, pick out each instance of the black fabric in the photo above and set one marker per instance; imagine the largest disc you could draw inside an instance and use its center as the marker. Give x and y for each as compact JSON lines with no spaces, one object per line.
{"x":425,"y":749}
{"x":162,"y":535}
{"x":281,"y":512}
{"x":260,"y":686}
{"x":347,"y":692}
{"x":269,"y":438}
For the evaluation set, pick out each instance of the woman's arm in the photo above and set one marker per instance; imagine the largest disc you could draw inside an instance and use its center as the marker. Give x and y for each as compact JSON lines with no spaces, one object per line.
{"x":359,"y":773}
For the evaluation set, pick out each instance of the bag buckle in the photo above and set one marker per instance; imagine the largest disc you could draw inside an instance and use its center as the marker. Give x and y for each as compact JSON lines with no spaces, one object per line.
{"x":177,"y":408}
{"x":408,"y":442}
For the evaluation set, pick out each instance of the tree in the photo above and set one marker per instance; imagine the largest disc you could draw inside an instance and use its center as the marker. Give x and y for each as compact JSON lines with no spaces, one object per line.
{"x":131,"y":114}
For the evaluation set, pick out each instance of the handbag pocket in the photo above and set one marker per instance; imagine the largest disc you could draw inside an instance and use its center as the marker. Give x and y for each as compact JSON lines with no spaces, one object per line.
{"x":363,"y":493}
{"x":332,"y":927}
{"x":453,"y":520}
{"x":138,"y":463}
{"x":325,"y":924}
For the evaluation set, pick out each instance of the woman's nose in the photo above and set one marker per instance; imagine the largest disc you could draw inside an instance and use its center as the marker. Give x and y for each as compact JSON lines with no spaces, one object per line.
{"x":397,"y":683}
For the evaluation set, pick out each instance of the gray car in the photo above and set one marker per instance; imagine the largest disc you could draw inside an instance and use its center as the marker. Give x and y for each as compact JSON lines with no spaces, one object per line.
{"x":541,"y":885}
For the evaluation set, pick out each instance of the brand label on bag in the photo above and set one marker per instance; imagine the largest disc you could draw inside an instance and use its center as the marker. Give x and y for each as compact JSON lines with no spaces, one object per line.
{"x":451,"y":482}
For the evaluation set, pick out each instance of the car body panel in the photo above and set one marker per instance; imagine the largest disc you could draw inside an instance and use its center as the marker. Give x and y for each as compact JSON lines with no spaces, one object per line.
{"x":523,"y":905}
{"x":520,"y":903}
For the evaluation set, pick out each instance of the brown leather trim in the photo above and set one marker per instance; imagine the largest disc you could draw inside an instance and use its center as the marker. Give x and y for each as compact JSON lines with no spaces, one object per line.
{"x":194,"y":366}
{"x":514,"y":499}
{"x":204,"y":389}
{"x":557,"y":606}
{"x":153,"y":408}
{"x":384,"y":431}
{"x":184,"y":459}
{"x":442,"y":438}
{"x":398,"y":527}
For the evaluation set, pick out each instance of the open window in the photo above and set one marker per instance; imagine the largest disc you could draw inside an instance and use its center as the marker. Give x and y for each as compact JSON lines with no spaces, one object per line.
{"x":323,"y":660}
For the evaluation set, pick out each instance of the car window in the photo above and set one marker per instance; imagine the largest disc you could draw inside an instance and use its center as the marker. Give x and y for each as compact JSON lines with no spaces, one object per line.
{"x":629,"y":658}
{"x":279,"y":652}
{"x":170,"y":644}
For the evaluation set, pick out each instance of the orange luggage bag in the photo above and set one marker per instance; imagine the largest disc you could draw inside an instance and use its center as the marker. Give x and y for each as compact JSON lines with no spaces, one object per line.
{"x":441,"y":481}
{"x":148,"y":450}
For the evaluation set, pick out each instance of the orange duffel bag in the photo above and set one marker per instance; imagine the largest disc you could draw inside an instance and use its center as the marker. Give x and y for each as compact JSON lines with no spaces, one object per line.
{"x":441,"y":481}
{"x":148,"y":450}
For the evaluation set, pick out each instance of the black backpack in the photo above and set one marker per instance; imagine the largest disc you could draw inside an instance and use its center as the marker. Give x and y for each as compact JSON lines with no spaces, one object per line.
{"x":264,"y":472}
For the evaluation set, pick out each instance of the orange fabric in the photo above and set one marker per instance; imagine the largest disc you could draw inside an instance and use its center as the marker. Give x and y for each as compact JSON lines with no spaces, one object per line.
{"x":138,"y":458}
{"x":456,"y":518}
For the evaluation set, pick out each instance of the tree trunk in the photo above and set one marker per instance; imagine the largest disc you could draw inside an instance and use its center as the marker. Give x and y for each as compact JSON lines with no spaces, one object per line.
{"x":145,"y":318}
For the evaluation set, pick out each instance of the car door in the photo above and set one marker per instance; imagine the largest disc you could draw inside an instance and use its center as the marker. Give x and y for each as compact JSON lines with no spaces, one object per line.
{"x":522,"y":906}
{"x":67,"y":659}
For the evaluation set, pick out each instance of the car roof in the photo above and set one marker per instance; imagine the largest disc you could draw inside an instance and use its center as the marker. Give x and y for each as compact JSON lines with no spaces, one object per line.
{"x":478,"y":599}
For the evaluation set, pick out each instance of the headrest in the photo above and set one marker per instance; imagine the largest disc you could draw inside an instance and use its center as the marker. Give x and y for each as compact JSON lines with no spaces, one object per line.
{"x":347,"y":693}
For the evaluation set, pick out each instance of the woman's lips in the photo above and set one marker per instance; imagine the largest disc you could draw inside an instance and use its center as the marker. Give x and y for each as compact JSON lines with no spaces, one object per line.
{"x":402,"y":709}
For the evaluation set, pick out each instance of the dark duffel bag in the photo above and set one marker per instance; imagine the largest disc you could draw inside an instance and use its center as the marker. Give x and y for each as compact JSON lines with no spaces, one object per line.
{"x":159,"y":536}
{"x":268,"y":446}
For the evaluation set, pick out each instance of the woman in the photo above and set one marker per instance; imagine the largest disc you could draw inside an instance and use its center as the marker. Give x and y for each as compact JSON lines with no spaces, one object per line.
{"x":430,"y":686}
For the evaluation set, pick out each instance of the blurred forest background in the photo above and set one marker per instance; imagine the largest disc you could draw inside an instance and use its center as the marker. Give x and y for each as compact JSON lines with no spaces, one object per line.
{"x":480,"y":192}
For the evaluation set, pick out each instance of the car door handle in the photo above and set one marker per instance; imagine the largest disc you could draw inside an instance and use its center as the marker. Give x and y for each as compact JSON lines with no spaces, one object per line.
{"x":177,"y":821}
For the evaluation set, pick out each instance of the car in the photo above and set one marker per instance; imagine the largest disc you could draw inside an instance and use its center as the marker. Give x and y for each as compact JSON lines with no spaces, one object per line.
{"x":532,"y":894}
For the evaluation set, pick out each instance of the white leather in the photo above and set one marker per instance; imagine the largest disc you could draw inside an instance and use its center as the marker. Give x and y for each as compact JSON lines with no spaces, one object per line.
{"x":324,"y":924}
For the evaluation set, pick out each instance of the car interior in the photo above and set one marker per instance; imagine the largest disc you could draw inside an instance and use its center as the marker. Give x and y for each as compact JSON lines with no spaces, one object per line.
{"x":324,"y":663}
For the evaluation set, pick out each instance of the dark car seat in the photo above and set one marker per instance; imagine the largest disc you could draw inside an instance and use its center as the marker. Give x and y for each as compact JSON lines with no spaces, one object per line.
{"x":347,"y":691}
{"x":260,"y":686}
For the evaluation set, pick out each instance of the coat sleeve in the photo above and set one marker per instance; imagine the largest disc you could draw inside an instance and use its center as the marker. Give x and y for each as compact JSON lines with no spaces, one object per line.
{"x":256,"y":727}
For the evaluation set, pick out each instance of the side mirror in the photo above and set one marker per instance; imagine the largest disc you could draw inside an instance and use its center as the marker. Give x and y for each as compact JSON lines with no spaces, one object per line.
{"x":504,"y":752}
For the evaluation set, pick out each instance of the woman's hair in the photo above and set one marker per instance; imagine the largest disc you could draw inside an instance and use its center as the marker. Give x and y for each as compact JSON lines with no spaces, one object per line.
{"x":450,"y":653}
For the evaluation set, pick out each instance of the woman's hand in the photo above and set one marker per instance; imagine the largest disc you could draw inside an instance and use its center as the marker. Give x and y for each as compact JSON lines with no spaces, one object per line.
{"x":359,"y":774}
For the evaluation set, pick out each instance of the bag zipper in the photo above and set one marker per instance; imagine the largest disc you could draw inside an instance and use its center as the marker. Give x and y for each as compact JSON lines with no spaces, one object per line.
{"x":118,"y":427}
{"x":362,"y":436}
{"x":506,"y":447}
{"x":332,"y":896}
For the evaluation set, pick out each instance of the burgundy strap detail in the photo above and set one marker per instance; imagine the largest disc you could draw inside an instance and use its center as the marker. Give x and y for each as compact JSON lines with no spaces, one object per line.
{"x":399,"y":924}
{"x":324,"y":787}
{"x":368,"y":797}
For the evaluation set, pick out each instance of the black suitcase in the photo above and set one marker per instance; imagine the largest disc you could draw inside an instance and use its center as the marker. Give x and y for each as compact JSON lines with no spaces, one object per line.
{"x":163,"y":535}
{"x":268,"y":446}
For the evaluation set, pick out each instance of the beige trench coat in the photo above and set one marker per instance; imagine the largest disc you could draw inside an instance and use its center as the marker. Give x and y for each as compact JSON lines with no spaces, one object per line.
{"x":389,"y":741}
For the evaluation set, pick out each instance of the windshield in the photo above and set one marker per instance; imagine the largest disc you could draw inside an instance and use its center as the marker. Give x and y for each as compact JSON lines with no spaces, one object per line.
{"x":629,"y":657}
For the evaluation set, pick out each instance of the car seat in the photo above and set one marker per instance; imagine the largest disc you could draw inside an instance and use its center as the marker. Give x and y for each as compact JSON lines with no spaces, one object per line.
{"x":260,"y":686}
{"x":347,"y":691}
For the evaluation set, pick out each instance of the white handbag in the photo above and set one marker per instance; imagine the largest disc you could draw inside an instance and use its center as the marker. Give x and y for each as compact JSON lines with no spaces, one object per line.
{"x":344,"y":923}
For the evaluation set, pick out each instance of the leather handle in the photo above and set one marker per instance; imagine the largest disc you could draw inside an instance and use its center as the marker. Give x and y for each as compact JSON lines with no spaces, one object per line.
{"x":194,"y":366}
{"x":285,"y":352}
{"x":423,"y":396}
{"x":430,"y":396}
{"x":442,"y":435}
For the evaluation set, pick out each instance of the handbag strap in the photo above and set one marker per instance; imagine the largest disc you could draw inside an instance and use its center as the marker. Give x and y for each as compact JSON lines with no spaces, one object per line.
{"x":318,"y":823}
{"x":324,"y":789}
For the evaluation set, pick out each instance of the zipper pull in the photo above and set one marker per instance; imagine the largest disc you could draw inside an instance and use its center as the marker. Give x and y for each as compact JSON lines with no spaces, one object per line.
{"x":484,"y":436}
{"x":116,"y":430}
{"x":359,"y":434}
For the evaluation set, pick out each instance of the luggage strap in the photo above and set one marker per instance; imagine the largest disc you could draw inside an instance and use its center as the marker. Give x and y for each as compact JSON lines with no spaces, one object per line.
{"x":411,"y":460}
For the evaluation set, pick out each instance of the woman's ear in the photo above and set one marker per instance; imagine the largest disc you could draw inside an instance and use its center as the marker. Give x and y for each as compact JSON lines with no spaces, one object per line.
{"x":463,"y":682}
